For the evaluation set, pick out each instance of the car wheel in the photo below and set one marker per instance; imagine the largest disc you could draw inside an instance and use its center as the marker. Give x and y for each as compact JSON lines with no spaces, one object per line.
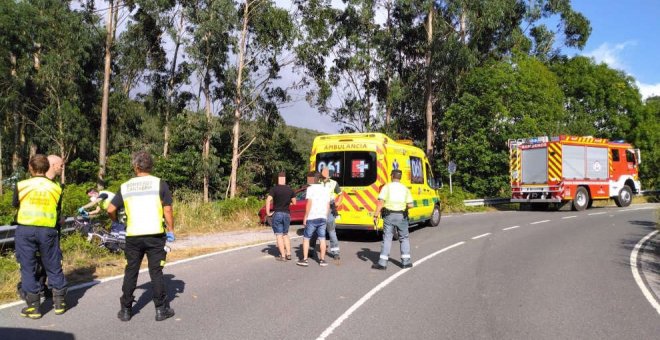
{"x":436,"y":216}
{"x":624,"y":198}
{"x":581,"y":199}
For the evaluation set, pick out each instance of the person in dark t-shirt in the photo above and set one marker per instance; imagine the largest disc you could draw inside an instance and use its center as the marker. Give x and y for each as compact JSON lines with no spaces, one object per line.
{"x":281,"y":195}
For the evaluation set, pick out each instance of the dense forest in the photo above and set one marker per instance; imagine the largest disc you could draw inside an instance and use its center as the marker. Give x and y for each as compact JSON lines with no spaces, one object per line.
{"x":201,"y":85}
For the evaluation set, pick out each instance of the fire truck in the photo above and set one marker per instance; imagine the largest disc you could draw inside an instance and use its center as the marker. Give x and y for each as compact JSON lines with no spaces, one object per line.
{"x":560,"y":169}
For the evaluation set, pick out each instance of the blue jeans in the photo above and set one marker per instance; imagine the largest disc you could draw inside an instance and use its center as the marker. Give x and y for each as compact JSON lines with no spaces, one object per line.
{"x":30,"y":240}
{"x":317,"y":226}
{"x":280,"y":223}
{"x":389,"y":223}
{"x":331,"y":232}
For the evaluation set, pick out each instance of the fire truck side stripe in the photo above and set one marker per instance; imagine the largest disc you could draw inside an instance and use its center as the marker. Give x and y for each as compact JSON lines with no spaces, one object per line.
{"x":554,"y":162}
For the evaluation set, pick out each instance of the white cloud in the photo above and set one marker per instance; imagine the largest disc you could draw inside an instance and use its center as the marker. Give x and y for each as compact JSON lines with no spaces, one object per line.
{"x":611,"y":54}
{"x":648,"y":90}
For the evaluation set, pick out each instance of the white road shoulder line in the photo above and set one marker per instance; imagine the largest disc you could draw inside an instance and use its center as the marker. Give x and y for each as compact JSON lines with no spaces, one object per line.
{"x":375,"y":290}
{"x":567,"y":217}
{"x":111,"y":278}
{"x":480,"y":236}
{"x":509,"y":228}
{"x":598,"y":213}
{"x":638,"y":277}
{"x":537,"y":222}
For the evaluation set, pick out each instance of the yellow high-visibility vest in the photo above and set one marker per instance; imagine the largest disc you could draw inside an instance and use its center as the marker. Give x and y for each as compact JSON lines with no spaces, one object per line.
{"x":38,"y":198}
{"x":144,"y":209}
{"x":106,"y":202}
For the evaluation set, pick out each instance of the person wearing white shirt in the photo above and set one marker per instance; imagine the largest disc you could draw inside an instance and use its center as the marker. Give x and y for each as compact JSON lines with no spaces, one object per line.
{"x":316,"y":213}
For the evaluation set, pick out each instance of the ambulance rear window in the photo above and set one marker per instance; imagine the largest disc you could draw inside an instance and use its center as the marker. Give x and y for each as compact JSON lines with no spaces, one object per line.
{"x":349,"y":168}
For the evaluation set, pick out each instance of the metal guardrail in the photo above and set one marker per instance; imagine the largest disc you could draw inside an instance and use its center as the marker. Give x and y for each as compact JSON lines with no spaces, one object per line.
{"x":485,"y":201}
{"x":7,"y":231}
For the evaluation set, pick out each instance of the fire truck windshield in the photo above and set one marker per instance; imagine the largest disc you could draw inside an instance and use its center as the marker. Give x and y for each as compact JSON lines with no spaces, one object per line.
{"x":349,"y":168}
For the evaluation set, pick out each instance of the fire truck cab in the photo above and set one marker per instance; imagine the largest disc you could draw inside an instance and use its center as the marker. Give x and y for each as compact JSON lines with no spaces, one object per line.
{"x":559,"y":169}
{"x":361,"y":164}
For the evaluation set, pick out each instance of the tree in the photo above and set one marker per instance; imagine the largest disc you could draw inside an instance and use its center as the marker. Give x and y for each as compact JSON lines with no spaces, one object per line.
{"x":211,"y":22}
{"x":514,"y":98}
{"x":261,"y":44}
{"x":599,"y":100}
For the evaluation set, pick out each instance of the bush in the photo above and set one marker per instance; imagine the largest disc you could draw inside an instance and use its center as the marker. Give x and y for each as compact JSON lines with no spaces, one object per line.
{"x":7,"y":211}
{"x":453,"y":202}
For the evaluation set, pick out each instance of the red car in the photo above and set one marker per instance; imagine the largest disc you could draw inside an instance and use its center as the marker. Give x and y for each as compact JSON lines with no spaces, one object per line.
{"x":297,"y":210}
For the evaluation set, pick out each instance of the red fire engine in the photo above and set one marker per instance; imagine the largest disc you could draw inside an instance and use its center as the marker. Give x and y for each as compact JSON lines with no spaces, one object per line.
{"x":559,"y":169}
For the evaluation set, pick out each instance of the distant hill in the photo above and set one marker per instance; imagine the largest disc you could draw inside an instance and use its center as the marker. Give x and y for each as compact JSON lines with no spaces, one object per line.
{"x":303,"y":139}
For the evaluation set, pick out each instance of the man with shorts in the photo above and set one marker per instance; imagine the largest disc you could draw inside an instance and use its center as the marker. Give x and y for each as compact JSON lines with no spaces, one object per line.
{"x":282,"y":196}
{"x":316,"y":213}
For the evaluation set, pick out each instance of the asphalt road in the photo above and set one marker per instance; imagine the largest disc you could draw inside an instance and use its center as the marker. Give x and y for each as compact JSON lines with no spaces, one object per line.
{"x":500,"y":275}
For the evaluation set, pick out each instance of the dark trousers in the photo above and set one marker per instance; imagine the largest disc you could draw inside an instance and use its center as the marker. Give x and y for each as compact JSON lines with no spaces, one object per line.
{"x":136,"y":248}
{"x":43,"y":240}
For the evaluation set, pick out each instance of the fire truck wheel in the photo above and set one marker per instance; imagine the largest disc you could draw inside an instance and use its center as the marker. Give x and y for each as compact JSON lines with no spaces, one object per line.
{"x":625,"y":197}
{"x":581,"y":199}
{"x":434,"y":221}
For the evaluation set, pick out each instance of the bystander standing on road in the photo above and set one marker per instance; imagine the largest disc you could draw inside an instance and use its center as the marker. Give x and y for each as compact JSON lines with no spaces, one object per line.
{"x":331,"y":232}
{"x":38,"y":200}
{"x":316,"y":213}
{"x":147,"y":200}
{"x":282,"y":197}
{"x":393,"y":203}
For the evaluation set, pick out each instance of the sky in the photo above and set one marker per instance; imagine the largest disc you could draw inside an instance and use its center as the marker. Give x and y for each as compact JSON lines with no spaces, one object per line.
{"x":625,"y":34}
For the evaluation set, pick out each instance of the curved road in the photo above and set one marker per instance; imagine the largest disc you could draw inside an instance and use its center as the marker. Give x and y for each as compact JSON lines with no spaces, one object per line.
{"x":500,"y":275}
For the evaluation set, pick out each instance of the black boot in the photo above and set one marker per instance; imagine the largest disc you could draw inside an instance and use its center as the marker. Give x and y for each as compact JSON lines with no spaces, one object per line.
{"x":33,"y":303}
{"x":59,"y":303}
{"x":126,"y":311}
{"x":164,"y":312}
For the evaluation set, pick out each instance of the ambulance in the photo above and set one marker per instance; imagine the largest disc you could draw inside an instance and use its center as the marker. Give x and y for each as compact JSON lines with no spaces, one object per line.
{"x":361,"y":164}
{"x":576,"y":169}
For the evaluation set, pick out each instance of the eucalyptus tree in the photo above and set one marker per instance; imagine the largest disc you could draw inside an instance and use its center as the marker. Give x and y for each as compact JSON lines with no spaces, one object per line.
{"x":265,"y":35}
{"x":210,"y":24}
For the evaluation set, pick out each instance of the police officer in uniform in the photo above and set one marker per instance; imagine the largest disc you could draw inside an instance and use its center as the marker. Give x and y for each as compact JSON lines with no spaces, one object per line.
{"x":393,"y":203}
{"x":38,"y":200}
{"x":146,"y":200}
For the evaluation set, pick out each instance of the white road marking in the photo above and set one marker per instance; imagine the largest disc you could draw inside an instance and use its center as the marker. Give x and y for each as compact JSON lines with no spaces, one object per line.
{"x":375,"y":290}
{"x":537,"y":222}
{"x":509,"y":228}
{"x":112,"y":278}
{"x":638,"y":277}
{"x":567,"y":217}
{"x":598,"y":213}
{"x":480,"y":236}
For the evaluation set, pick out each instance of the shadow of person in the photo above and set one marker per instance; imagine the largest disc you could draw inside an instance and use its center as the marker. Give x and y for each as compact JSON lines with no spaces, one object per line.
{"x":366,"y":254}
{"x":72,"y":297}
{"x":173,"y":288}
{"x":271,"y":249}
{"x":25,"y":333}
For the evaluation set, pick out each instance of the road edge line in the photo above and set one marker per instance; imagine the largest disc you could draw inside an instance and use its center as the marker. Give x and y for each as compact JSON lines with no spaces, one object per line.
{"x":112,"y":278}
{"x":636,"y":275}
{"x":328,"y":331}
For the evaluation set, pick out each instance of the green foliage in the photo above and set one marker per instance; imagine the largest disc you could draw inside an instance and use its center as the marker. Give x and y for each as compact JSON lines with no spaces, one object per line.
{"x":7,"y":211}
{"x":78,"y":245}
{"x":231,"y":206}
{"x":75,"y":196}
{"x":508,"y":99}
{"x":453,"y":202}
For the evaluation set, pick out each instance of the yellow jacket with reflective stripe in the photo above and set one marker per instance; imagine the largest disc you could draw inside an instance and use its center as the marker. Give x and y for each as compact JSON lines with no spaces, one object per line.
{"x":143,"y":207}
{"x":39,"y":197}
{"x":106,"y":202}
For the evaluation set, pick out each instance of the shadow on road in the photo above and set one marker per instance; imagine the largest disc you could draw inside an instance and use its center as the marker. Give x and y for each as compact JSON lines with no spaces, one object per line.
{"x":174,"y":287}
{"x":23,"y":333}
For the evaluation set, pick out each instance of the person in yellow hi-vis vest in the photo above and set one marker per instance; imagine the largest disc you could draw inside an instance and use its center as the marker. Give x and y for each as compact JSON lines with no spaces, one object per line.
{"x":147,"y":200}
{"x":38,"y":200}
{"x":393,"y":203}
